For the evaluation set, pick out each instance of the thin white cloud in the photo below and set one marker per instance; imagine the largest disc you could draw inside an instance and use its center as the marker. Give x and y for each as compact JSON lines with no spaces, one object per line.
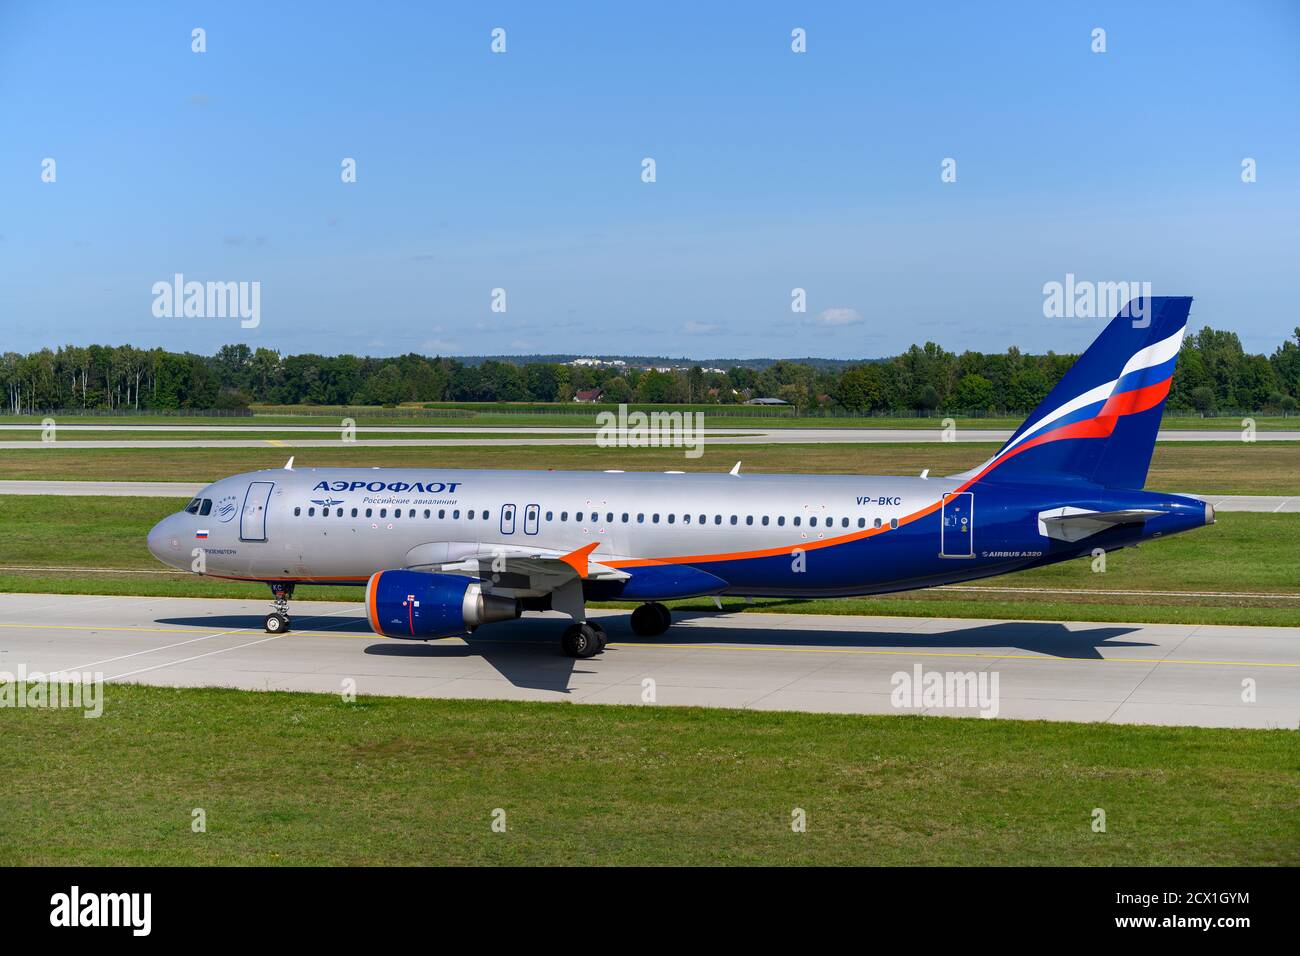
{"x":701,"y":328}
{"x":836,"y":317}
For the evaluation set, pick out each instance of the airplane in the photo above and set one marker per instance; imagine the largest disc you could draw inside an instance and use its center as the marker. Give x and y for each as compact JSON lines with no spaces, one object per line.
{"x":443,"y":552}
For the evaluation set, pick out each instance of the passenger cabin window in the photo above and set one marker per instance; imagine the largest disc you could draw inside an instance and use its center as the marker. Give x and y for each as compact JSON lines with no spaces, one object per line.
{"x":354,"y":512}
{"x":297,"y":512}
{"x":311,"y":512}
{"x":876,"y":523}
{"x":893,"y":522}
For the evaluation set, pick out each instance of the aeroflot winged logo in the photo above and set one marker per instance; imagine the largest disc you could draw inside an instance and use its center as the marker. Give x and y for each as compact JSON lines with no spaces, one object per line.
{"x":226,"y":508}
{"x":420,"y":487}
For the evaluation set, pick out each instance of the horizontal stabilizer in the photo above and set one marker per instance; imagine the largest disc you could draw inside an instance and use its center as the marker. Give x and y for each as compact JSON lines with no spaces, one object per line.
{"x":1075,"y":524}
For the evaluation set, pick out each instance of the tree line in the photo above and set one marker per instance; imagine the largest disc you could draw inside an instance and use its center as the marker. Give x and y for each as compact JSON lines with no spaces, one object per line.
{"x":1213,"y":373}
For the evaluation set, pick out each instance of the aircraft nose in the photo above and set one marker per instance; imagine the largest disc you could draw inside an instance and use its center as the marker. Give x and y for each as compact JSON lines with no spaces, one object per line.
{"x":164,"y":541}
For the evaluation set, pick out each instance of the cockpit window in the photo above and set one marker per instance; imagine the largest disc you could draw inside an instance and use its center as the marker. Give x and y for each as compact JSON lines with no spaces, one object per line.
{"x":193,"y":507}
{"x":206,"y":508}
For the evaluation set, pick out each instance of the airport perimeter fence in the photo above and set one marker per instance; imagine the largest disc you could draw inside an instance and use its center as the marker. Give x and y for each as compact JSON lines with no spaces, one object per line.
{"x":138,"y":413}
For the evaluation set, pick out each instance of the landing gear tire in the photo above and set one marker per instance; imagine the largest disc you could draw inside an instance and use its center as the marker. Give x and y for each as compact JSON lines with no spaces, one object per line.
{"x":601,"y":637}
{"x":581,"y":641}
{"x":652,"y":619}
{"x":277,"y":622}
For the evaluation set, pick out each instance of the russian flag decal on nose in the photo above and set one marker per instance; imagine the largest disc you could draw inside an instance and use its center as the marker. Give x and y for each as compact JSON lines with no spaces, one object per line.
{"x":201,"y":534}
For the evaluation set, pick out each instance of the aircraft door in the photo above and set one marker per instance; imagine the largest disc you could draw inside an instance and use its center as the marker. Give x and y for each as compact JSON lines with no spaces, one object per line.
{"x":507,"y":519}
{"x":957,"y":528}
{"x":530,"y":519}
{"x":252,"y":520}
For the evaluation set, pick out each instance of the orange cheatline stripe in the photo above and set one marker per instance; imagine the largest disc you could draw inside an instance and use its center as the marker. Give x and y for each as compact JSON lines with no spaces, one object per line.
{"x":1102,"y":426}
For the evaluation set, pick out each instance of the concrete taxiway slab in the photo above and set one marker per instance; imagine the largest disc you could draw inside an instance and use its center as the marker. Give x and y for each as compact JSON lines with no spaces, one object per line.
{"x":1122,"y":673}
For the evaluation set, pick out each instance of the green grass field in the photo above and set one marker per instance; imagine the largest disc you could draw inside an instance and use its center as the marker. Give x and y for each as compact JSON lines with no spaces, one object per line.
{"x":1253,"y":555}
{"x":308,"y":779}
{"x":1259,"y":468}
{"x":535,"y":414}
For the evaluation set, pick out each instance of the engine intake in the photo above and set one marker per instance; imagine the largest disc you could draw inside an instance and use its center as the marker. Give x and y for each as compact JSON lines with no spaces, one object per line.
{"x":416,"y":604}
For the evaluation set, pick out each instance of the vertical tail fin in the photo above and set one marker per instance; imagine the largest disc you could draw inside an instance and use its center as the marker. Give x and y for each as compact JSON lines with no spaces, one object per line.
{"x":1099,"y":423}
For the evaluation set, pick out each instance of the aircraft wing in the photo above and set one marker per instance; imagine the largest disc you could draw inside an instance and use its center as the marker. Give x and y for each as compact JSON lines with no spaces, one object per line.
{"x":1075,"y":524}
{"x":514,"y":571}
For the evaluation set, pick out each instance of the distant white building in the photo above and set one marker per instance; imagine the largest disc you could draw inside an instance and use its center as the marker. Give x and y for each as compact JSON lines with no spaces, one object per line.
{"x":597,"y":362}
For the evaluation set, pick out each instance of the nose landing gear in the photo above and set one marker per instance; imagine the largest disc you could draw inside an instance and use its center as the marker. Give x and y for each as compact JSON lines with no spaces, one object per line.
{"x":277,"y":622}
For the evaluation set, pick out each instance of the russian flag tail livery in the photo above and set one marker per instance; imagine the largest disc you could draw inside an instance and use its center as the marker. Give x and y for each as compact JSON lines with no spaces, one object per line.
{"x":1099,"y":423}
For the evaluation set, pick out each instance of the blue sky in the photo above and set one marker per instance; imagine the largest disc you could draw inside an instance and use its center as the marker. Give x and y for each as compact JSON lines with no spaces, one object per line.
{"x":522,"y":171}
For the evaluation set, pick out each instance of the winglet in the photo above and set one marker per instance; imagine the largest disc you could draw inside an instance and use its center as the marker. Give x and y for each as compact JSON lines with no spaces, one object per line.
{"x":578,"y":559}
{"x":288,"y":465}
{"x":736,"y":470}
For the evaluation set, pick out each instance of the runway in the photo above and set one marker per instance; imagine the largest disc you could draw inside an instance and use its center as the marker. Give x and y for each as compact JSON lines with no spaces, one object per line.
{"x":470,"y":437}
{"x":1116,"y":673}
{"x":1262,"y":504}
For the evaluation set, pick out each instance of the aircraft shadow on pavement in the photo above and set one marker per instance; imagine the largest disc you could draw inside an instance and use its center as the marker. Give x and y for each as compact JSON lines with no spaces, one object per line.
{"x":526,"y":652}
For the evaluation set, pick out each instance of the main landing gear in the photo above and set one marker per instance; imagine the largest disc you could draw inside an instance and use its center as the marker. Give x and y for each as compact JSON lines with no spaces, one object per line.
{"x":277,"y":622}
{"x":583,"y":639}
{"x":650,"y":620}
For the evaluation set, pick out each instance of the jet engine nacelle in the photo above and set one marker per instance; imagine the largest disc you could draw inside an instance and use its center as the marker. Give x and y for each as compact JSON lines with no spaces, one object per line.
{"x":416,"y":604}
